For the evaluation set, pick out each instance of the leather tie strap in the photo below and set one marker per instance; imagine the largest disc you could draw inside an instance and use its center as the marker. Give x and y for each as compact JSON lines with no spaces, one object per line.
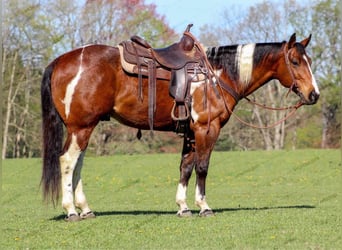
{"x":151,"y":93}
{"x":230,"y":90}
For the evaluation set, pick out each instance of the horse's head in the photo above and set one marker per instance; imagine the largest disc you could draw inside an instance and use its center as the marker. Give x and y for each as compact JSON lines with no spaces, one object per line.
{"x":295,"y":73}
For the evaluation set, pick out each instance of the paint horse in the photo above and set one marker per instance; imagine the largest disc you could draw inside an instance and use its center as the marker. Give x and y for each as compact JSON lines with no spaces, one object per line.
{"x":85,"y":85}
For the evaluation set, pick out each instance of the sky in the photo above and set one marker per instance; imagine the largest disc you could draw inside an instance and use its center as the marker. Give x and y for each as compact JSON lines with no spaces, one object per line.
{"x":179,"y":13}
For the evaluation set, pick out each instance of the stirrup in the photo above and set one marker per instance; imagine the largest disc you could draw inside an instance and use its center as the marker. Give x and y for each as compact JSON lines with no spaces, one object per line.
{"x":187,"y":113}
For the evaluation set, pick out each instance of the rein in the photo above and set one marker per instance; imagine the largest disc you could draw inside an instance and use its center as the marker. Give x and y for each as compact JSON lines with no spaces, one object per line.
{"x":293,"y":111}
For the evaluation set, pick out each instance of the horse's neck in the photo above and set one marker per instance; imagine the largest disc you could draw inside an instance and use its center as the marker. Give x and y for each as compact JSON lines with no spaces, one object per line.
{"x":246,"y":67}
{"x":258,"y":79}
{"x":264,"y":70}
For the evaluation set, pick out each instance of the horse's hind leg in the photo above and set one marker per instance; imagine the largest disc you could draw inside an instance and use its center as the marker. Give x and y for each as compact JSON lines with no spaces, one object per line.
{"x":68,"y":161}
{"x":80,"y":199}
{"x":71,"y":164}
{"x":186,"y":168}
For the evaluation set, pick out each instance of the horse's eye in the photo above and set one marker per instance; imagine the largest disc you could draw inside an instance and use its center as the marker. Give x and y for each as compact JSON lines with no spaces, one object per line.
{"x":295,"y":62}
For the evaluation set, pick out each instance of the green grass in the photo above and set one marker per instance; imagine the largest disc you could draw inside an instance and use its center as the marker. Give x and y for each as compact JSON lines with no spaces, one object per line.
{"x":262,"y":200}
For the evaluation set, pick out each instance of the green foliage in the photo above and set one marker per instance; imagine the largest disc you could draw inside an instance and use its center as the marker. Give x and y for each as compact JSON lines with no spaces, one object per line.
{"x":42,"y":30}
{"x":262,"y":200}
{"x":308,"y":136}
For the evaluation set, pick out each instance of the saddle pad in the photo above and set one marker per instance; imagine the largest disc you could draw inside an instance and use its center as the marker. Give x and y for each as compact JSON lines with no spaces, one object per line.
{"x":161,"y":73}
{"x":128,"y":67}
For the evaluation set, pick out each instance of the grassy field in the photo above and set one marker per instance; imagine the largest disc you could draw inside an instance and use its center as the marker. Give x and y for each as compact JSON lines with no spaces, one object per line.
{"x":262,"y":200}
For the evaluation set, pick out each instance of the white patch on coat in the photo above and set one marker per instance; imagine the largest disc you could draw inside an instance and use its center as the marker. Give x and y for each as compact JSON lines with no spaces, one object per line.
{"x":314,"y":83}
{"x":71,"y":87}
{"x":244,"y":62}
{"x":194,"y":86}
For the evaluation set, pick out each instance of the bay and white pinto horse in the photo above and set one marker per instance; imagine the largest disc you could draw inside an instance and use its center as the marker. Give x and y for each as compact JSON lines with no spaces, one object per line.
{"x":86,"y":85}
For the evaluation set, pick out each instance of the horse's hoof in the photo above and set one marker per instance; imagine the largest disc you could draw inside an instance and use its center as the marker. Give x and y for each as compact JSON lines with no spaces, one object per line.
{"x":206,"y":213}
{"x":72,"y":218}
{"x":89,"y":215}
{"x":184,"y":213}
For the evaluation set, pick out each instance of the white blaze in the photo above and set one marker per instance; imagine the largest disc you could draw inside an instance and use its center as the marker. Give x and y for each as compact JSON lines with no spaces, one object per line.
{"x":314,"y":83}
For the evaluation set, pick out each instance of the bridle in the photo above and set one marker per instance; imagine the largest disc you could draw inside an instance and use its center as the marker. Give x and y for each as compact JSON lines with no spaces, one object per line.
{"x":294,"y":84}
{"x":293,"y":108}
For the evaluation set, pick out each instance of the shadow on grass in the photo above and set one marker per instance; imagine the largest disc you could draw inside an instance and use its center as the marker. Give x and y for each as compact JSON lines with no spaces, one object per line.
{"x":216,"y":211}
{"x":222,"y":210}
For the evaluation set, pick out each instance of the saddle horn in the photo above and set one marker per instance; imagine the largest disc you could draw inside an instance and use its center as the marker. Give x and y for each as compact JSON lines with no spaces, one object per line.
{"x":188,"y":27}
{"x":187,"y":42}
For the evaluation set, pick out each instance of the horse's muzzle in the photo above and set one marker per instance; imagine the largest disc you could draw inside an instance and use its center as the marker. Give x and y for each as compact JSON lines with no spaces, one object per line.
{"x":313,"y":97}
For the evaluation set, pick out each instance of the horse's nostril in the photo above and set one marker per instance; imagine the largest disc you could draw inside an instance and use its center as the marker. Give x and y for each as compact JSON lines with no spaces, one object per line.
{"x":314,"y":96}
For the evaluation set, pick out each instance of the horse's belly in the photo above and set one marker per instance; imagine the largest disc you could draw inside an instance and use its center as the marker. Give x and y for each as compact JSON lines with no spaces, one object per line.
{"x":137,"y":115}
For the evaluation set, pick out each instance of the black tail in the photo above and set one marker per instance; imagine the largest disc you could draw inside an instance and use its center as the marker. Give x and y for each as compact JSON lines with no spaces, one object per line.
{"x":52,"y":140}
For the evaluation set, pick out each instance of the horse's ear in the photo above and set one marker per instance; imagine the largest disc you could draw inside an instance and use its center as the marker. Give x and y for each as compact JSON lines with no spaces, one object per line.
{"x":292,"y":40}
{"x":306,"y":41}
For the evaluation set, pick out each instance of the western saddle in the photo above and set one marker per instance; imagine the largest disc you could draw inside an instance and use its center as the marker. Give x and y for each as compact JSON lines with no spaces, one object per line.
{"x":181,"y":63}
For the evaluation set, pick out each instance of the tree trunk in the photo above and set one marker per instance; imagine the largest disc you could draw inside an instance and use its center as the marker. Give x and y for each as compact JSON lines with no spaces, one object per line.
{"x":324,"y":126}
{"x":265,"y":132}
{"x":9,"y":107}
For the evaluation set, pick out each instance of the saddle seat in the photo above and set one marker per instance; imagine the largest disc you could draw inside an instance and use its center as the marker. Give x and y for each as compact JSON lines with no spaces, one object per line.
{"x":174,"y":56}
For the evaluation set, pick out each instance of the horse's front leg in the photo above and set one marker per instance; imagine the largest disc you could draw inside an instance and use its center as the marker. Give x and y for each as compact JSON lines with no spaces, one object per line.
{"x":205,"y":140}
{"x":186,"y":168}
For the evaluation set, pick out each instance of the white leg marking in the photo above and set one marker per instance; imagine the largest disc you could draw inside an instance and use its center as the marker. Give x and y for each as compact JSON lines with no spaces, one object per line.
{"x":68,"y":162}
{"x":181,"y":197}
{"x":80,"y":199}
{"x":314,"y":83}
{"x":244,"y":62}
{"x":200,"y":200}
{"x":71,"y":88}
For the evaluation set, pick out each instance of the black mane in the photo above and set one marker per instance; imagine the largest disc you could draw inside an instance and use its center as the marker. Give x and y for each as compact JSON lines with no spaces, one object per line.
{"x":224,"y":57}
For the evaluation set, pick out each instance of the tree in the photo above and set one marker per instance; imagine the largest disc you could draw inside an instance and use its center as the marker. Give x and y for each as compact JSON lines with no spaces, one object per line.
{"x":277,"y":22}
{"x":323,"y":20}
{"x":22,"y":46}
{"x":35,"y":32}
{"x":327,"y":27}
